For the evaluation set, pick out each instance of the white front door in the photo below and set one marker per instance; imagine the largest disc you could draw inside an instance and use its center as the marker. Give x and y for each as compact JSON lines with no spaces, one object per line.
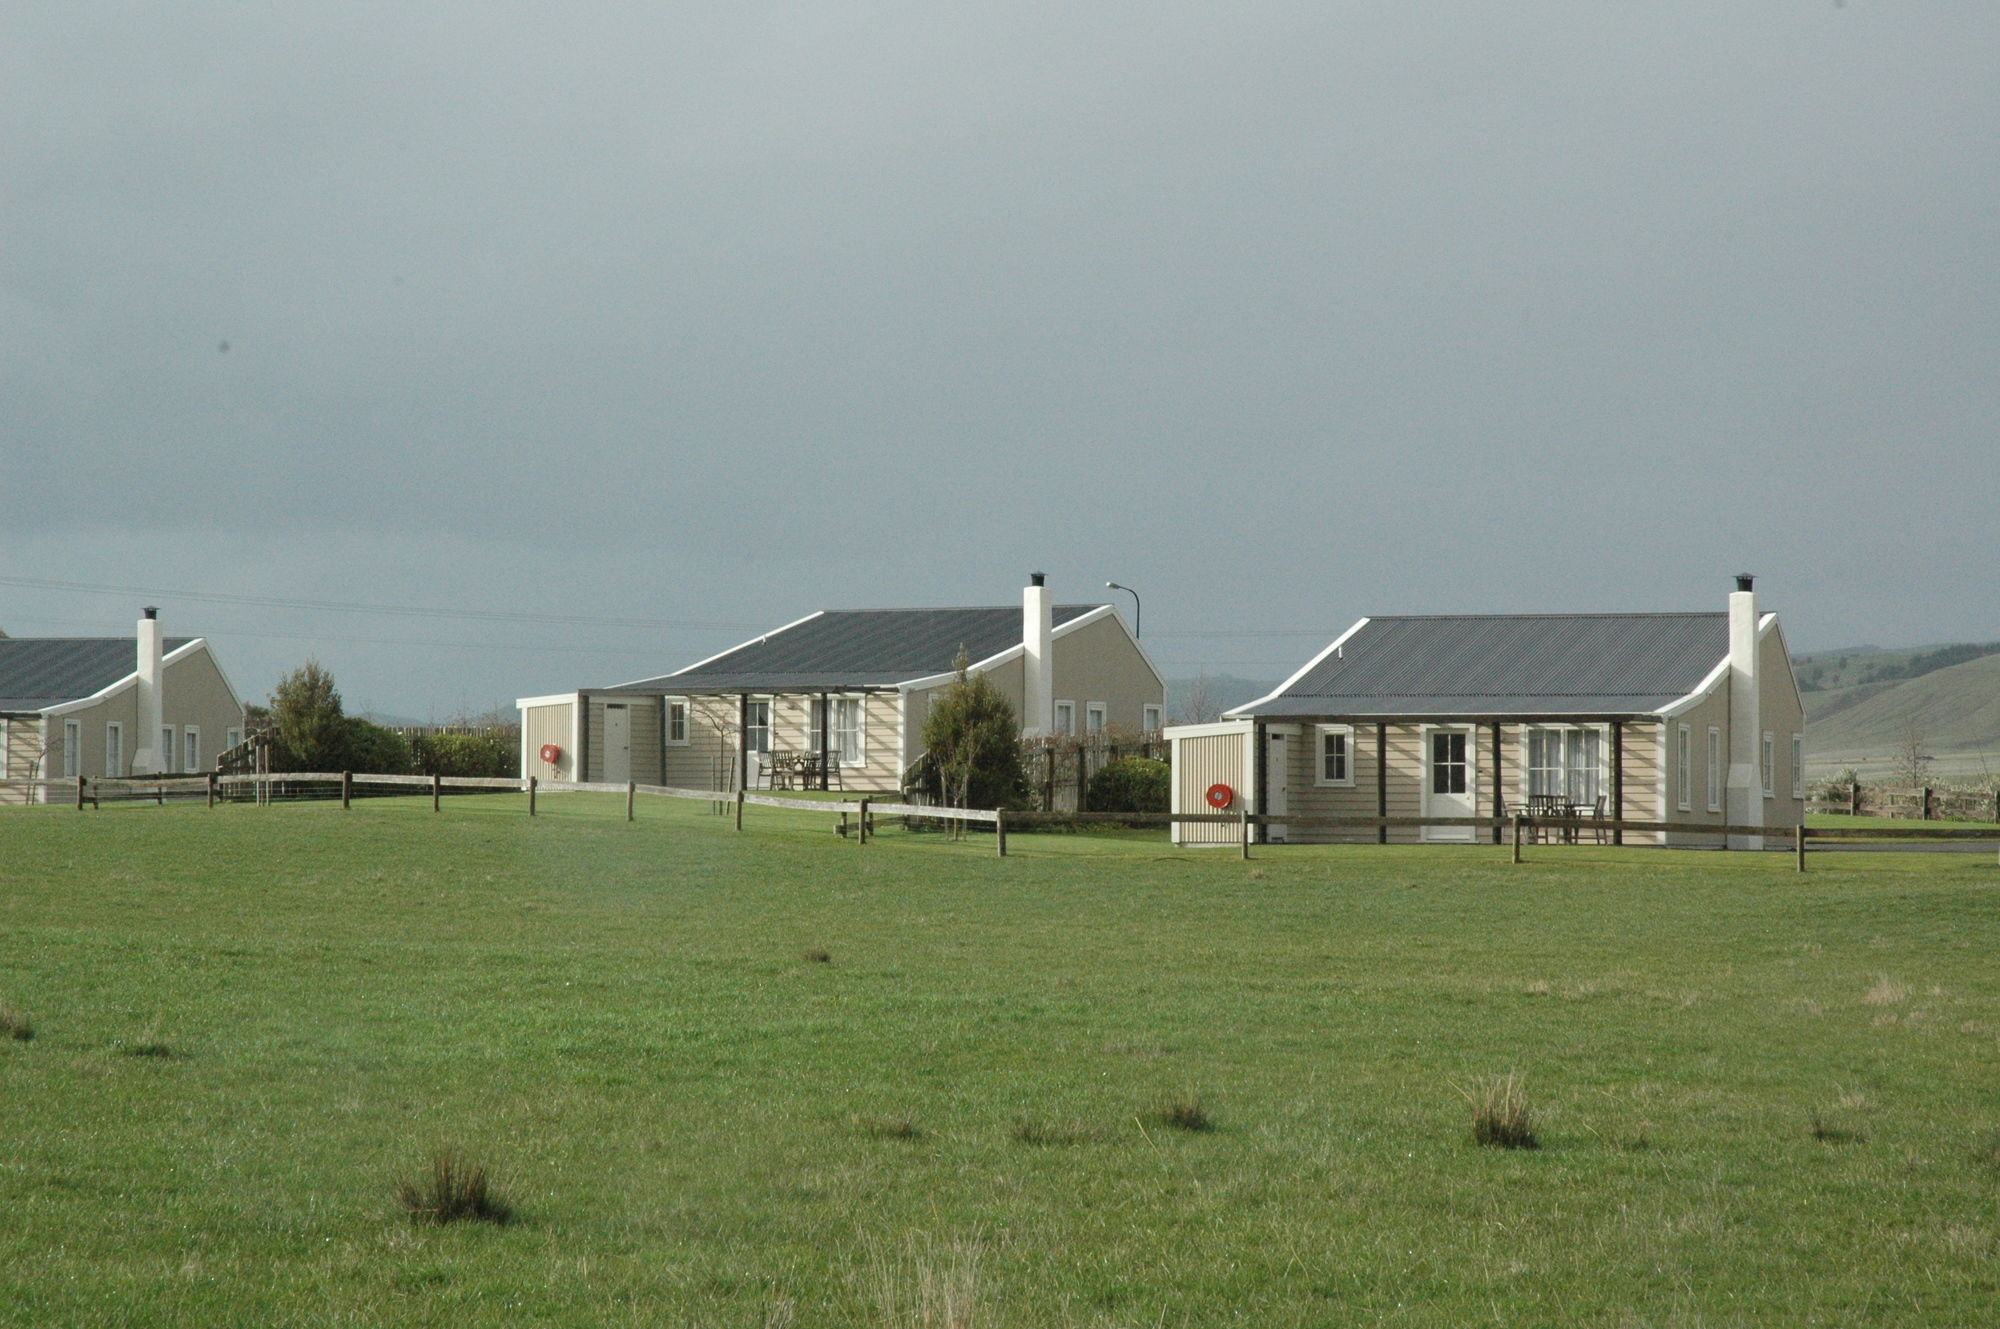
{"x":1450,"y":779}
{"x":1278,"y":746}
{"x":617,"y":742}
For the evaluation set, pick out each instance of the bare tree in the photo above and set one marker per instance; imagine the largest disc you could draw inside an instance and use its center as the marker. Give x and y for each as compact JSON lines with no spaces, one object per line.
{"x":1201,"y":705}
{"x":1913,"y":758}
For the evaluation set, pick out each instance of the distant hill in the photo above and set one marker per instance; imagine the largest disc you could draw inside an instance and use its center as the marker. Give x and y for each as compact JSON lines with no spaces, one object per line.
{"x":1947,"y":698}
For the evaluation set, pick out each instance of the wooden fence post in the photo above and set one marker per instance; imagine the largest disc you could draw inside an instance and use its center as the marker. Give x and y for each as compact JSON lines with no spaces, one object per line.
{"x":1000,"y":831}
{"x":739,"y":809}
{"x":346,"y":791}
{"x":1926,"y":816}
{"x":437,"y":792}
{"x":631,"y":798}
{"x":80,"y":782}
{"x":534,"y":787}
{"x":1854,"y":798}
{"x":211,"y":788}
{"x":1243,"y":815}
{"x":862,"y":818}
{"x":1517,"y":837}
{"x":1996,"y":805}
{"x":1801,"y":833}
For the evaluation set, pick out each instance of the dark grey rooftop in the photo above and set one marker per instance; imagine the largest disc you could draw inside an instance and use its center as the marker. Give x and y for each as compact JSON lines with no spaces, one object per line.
{"x":855,"y":648}
{"x":39,"y":672}
{"x":1509,"y":664}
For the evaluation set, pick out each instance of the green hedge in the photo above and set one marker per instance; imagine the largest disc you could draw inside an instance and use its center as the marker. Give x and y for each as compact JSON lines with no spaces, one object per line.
{"x":466,"y":754}
{"x":1131,"y":784}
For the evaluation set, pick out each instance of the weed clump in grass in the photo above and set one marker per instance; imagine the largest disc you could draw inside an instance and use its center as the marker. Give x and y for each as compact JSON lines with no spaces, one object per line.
{"x":1500,"y":1117}
{"x":1184,"y":1112}
{"x":1029,"y":1131}
{"x":818,"y":956}
{"x":15,"y":1025}
{"x":455,"y":1191}
{"x":903,"y":1127}
{"x":154,"y":1049}
{"x":1827,"y":1133}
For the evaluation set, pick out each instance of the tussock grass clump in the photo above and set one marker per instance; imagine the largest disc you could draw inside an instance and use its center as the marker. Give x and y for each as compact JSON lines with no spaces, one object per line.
{"x":1988,"y":1151}
{"x":1027,"y":1130}
{"x":1183,"y":1112}
{"x":1886,"y":992}
{"x":454,"y":1191}
{"x":818,"y":956}
{"x":1827,"y":1132}
{"x":903,"y":1127}
{"x":1500,"y":1117}
{"x":152,"y":1048}
{"x":929,"y":1284}
{"x":15,"y":1024}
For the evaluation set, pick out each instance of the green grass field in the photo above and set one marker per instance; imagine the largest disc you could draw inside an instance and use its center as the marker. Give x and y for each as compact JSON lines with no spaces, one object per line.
{"x":1762,"y":1098}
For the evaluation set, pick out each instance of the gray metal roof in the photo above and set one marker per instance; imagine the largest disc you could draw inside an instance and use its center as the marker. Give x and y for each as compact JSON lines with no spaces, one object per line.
{"x":1509,"y":664}
{"x":844,"y":649}
{"x":39,"y":672}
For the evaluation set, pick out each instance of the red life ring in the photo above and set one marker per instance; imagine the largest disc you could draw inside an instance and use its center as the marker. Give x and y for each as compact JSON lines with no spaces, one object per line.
{"x":551,"y":753}
{"x":1220,"y":796}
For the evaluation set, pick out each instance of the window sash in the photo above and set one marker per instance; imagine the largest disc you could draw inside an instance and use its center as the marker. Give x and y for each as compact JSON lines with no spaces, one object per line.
{"x":677,"y":723}
{"x":114,"y":749}
{"x":191,"y":749}
{"x":1448,"y":762}
{"x":1093,"y":718}
{"x":1566,"y":761}
{"x":1684,"y":765}
{"x":1714,"y":769}
{"x":1798,"y":766}
{"x":72,"y":749}
{"x":757,"y":726}
{"x":1064,"y":720}
{"x":1335,"y":755}
{"x":1770,"y":762}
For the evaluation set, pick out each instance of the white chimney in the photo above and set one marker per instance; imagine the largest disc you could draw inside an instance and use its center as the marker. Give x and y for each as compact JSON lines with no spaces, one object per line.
{"x":1745,"y":805}
{"x":146,"y":755}
{"x":1038,"y":707}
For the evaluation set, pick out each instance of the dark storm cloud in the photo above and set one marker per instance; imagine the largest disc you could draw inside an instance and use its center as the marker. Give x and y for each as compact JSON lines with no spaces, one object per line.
{"x":1282,"y":313}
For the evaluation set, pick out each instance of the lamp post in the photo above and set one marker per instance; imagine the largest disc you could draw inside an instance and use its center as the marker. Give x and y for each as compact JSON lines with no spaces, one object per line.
{"x":1114,"y":586}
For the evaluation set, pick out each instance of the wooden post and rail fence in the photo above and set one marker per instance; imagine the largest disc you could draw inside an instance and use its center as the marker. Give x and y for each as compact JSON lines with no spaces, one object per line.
{"x":861,"y":813}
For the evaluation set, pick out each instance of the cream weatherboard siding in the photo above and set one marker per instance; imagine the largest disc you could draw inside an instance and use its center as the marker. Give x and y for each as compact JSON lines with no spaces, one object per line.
{"x":1206,"y":755}
{"x":543,"y":724}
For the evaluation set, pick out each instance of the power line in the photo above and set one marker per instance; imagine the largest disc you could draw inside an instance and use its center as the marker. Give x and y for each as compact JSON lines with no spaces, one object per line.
{"x":397,"y":611}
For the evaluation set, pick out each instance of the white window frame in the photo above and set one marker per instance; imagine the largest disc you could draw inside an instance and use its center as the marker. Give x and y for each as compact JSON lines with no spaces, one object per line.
{"x":1063,"y":719}
{"x":749,"y":729}
{"x":1684,"y":765}
{"x":1152,"y":718}
{"x":1715,"y":768}
{"x":856,"y":752}
{"x":1770,"y":764}
{"x":669,"y":707}
{"x":1599,"y":777}
{"x":72,"y":749}
{"x":170,"y":750}
{"x":234,"y":735}
{"x":114,"y":748}
{"x":1093,"y":718}
{"x":1320,"y":734}
{"x":190,"y":748}
{"x":1798,"y":766}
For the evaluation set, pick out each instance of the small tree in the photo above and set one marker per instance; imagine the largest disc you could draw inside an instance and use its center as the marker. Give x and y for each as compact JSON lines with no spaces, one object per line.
{"x":312,"y":728}
{"x":973,"y":739}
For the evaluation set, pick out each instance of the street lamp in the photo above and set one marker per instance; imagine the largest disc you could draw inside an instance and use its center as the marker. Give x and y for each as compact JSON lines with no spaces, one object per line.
{"x":1114,"y":586}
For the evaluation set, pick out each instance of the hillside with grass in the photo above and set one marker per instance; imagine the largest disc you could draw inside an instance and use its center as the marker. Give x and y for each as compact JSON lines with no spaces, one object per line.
{"x":293,"y":1065}
{"x":1865,"y":706}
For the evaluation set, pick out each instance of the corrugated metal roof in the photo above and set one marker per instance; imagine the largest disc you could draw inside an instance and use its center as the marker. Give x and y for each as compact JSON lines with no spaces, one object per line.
{"x":39,"y":672}
{"x":856,"y":648}
{"x":1486,"y":664}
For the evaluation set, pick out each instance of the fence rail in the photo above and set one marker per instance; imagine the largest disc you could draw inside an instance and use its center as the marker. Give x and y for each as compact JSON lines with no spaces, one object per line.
{"x":860,"y":813}
{"x":1913,"y":802}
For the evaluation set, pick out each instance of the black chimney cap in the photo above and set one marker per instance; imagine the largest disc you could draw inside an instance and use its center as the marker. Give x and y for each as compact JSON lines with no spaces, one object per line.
{"x":1743,"y":580}
{"x":1035,"y":578}
{"x":152,"y":611}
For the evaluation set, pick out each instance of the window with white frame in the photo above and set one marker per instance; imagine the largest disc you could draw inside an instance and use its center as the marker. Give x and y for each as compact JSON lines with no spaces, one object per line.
{"x":1798,"y":765}
{"x":191,"y":748}
{"x":1684,"y":765}
{"x":674,"y":721}
{"x":169,"y":749}
{"x":1093,"y":717}
{"x":235,"y":737}
{"x":1333,"y":763}
{"x":844,"y":729}
{"x":1769,"y":764}
{"x":1152,"y":719}
{"x":1065,"y":718}
{"x":1714,"y":769}
{"x":1566,"y":761}
{"x":757,"y":725}
{"x":72,"y":749}
{"x":114,"y":749}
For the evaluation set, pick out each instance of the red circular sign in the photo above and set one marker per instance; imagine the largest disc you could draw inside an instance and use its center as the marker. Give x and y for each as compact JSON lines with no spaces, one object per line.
{"x":551,"y":753}
{"x":1220,"y":796}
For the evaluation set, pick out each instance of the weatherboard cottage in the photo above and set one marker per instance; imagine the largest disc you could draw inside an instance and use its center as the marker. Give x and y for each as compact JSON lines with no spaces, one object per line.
{"x":1687,"y":717}
{"x":855,"y":684}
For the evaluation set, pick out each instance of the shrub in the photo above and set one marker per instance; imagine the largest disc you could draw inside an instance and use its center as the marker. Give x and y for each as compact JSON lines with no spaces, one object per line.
{"x":375,"y":750}
{"x":1131,"y":784}
{"x":972,"y":740}
{"x":311,"y":726}
{"x":481,"y":755}
{"x":454,"y":1192}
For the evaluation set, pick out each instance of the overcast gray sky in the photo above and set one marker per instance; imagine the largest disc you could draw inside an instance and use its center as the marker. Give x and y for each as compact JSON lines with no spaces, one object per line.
{"x":705,"y":316}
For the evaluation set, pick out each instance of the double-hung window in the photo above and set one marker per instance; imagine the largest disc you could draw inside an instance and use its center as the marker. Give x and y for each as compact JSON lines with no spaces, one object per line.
{"x":1798,"y":766}
{"x":1566,"y":762}
{"x":1065,"y":718}
{"x":757,"y":725}
{"x":191,"y":749}
{"x":674,"y":721}
{"x":844,"y":729}
{"x":1714,"y":769}
{"x":1769,"y":763}
{"x":1151,"y":720}
{"x":72,"y":749}
{"x":1093,"y":717}
{"x":1684,"y":766}
{"x":167,"y":749}
{"x":114,"y":749}
{"x":1334,"y":755}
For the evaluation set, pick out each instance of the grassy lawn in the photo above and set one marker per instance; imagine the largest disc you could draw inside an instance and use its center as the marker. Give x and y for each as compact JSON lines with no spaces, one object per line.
{"x":1762,"y":1098}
